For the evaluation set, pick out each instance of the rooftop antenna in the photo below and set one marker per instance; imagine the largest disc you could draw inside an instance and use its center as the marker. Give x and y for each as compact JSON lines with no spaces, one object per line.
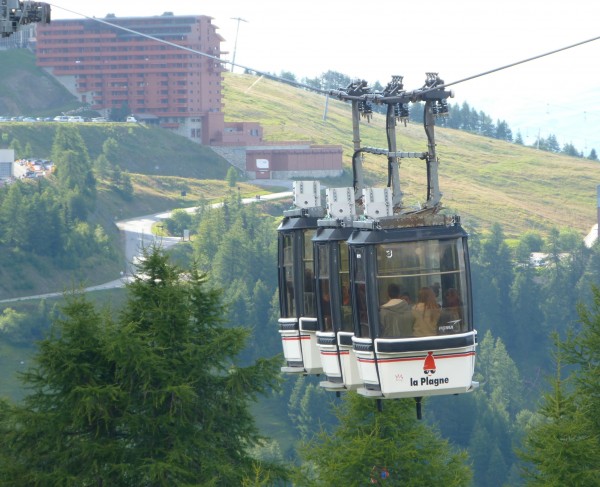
{"x":239,"y":19}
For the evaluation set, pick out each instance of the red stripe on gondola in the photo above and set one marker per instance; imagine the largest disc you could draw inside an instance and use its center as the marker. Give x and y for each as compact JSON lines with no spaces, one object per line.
{"x":412,"y":359}
{"x":303,"y":337}
{"x":346,"y":352}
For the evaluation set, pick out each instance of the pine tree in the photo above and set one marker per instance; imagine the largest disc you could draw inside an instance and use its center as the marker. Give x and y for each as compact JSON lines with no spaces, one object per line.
{"x":368,"y":445}
{"x":152,"y":398}
{"x":582,"y":350}
{"x":563,"y":447}
{"x":73,"y":165}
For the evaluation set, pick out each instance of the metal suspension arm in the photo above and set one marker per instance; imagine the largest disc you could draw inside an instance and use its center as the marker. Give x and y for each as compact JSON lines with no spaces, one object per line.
{"x":433,"y":186}
{"x":357,"y":169}
{"x":393,"y":161}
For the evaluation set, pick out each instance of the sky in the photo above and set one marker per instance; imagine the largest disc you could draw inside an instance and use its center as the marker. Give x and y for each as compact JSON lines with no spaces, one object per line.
{"x":558,"y":94}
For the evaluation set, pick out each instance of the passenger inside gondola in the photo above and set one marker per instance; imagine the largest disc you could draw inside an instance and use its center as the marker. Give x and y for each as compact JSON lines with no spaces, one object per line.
{"x":326,"y":305}
{"x":426,"y":313}
{"x":396,"y":316}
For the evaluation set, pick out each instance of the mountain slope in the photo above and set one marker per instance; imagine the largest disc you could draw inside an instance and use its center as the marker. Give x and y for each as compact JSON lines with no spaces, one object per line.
{"x":26,"y":89}
{"x":485,"y":180}
{"x":141,"y":149}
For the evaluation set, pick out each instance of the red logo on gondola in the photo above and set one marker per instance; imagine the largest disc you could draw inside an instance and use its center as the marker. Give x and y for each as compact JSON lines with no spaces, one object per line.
{"x":429,"y":365}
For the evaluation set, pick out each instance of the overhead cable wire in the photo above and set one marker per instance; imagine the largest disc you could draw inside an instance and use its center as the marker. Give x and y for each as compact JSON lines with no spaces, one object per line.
{"x":549,"y":53}
{"x":195,"y":51}
{"x":312,"y":88}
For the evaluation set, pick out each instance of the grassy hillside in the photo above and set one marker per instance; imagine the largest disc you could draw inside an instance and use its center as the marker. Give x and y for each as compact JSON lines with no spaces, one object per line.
{"x":142,"y":149}
{"x":486,"y":180}
{"x":28,"y":90}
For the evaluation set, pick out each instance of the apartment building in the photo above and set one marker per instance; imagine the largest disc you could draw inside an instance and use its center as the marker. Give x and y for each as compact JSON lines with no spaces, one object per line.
{"x":111,"y":68}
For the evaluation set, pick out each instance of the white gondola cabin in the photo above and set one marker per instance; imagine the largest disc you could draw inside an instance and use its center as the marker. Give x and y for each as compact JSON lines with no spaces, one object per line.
{"x":414,"y":335}
{"x":334,"y":307}
{"x":297,"y":298}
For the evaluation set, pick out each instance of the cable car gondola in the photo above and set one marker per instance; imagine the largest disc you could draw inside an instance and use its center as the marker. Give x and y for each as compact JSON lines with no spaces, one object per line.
{"x":412,"y":331}
{"x":334,"y":307}
{"x":410,"y":275}
{"x":409,"y":272}
{"x":411,"y":286}
{"x":297,"y":298}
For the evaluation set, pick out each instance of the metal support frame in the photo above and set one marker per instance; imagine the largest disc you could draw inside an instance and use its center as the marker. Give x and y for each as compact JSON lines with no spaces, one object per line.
{"x":396,"y":99}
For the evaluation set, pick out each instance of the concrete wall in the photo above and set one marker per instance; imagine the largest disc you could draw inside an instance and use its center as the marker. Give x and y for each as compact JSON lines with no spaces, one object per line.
{"x":7,"y":159}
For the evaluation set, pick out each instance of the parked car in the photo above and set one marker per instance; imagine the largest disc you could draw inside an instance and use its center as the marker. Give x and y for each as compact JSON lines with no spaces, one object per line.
{"x":100,"y":119}
{"x":75,"y":118}
{"x":131,"y":119}
{"x":61,"y":118}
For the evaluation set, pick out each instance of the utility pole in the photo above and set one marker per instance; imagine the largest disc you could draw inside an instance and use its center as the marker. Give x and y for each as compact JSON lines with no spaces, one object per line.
{"x":239,"y":19}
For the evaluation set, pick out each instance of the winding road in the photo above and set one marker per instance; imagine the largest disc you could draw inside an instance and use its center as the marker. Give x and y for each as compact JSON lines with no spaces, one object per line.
{"x":138,"y":235}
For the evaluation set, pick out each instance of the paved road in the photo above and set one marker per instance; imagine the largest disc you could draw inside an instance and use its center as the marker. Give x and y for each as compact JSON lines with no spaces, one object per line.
{"x":138,"y":235}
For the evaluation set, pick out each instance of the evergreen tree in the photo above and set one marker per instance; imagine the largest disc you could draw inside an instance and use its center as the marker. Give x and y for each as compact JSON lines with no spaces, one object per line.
{"x":528,"y":328}
{"x":519,"y":138}
{"x":73,"y":167}
{"x":581,"y":349}
{"x":27,"y":151}
{"x":312,"y":82}
{"x":563,"y":446}
{"x":153,"y":398}
{"x":494,"y":279}
{"x":560,"y":278}
{"x":102,"y":166}
{"x":126,"y":188}
{"x":497,"y":404}
{"x":590,"y":276}
{"x":368,"y":445}
{"x":570,"y":150}
{"x":231,"y":177}
{"x":503,"y":131}
{"x":287,"y":75}
{"x":332,"y":80}
{"x":486,"y":125}
{"x":12,"y":217}
{"x":310,"y":408}
{"x":552,"y":144}
{"x":593,"y":155}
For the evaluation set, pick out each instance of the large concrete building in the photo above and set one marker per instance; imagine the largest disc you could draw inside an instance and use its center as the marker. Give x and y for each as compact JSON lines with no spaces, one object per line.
{"x":111,"y":68}
{"x":125,"y":67}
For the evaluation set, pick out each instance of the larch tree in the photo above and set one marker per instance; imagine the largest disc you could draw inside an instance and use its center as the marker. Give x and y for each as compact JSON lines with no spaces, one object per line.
{"x":152,"y":397}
